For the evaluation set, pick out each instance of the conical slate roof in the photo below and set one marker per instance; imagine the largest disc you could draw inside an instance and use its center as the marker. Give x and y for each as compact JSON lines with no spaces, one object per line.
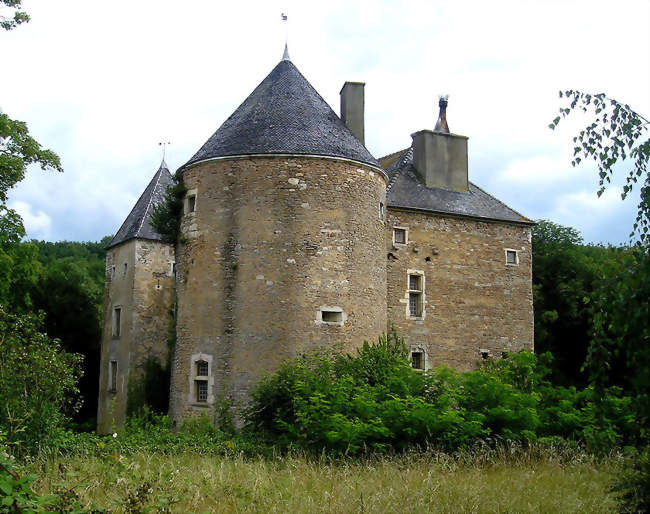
{"x":136,"y":224}
{"x":284,"y":115}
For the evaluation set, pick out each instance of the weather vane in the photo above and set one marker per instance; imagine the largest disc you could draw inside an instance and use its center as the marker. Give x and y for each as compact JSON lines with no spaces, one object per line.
{"x":164,"y":145}
{"x":285,"y":57}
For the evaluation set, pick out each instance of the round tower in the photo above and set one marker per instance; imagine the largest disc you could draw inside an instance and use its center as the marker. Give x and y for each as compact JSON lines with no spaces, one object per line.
{"x":282,"y":247}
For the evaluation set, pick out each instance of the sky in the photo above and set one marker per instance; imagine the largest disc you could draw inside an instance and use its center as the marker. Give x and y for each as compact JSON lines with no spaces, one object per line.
{"x":103,"y":83}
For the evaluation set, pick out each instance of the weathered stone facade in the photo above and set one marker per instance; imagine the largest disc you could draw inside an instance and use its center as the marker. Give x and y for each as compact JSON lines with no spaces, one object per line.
{"x":474,"y":301}
{"x":294,"y":237}
{"x":281,"y":254}
{"x":140,"y":283}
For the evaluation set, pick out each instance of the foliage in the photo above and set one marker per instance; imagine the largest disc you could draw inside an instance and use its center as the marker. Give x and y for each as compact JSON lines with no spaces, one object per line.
{"x":566,"y":274}
{"x":38,"y":381}
{"x":632,"y":484}
{"x":17,"y":17}
{"x":620,"y":348}
{"x":374,"y":401}
{"x":166,"y":216}
{"x":150,"y":389}
{"x":616,"y":133}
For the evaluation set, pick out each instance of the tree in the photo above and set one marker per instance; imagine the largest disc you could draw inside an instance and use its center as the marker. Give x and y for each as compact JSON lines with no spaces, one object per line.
{"x":16,"y":16}
{"x":616,"y":133}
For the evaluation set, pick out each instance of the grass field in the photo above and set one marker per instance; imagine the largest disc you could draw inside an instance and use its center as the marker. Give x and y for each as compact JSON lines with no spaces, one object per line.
{"x":488,"y":481}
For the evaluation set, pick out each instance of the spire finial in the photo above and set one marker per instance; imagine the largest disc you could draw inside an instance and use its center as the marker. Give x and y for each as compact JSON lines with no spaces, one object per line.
{"x":441,"y":124}
{"x":164,"y":147}
{"x":285,"y":55}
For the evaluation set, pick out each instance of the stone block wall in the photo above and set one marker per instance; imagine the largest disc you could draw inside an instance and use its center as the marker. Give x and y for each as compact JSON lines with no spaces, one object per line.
{"x":473,"y":299}
{"x":281,"y":255}
{"x":140,"y":282}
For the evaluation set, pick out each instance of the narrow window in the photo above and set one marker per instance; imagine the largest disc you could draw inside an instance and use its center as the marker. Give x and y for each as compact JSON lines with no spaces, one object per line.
{"x":399,"y":236}
{"x":126,"y":267}
{"x":512,"y":258}
{"x":201,"y":390}
{"x":415,"y":296}
{"x":112,"y":271}
{"x":417,"y":360}
{"x":191,"y":203}
{"x":117,"y":321}
{"x":381,"y":211}
{"x":112,"y":377}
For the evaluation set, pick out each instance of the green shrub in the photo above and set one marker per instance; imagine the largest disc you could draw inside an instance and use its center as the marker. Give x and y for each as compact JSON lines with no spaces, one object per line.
{"x":632,"y":484}
{"x":38,"y":382}
{"x":375,"y":401}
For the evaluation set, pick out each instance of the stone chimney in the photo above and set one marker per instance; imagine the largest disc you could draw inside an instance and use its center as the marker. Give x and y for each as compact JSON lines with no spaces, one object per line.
{"x":352,"y":107}
{"x":440,"y":157}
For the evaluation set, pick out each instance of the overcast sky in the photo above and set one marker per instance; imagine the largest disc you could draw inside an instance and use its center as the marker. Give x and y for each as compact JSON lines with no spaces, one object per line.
{"x":102,"y":83}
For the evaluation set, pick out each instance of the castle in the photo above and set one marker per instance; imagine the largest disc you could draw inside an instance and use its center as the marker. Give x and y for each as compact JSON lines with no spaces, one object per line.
{"x":293,"y":236}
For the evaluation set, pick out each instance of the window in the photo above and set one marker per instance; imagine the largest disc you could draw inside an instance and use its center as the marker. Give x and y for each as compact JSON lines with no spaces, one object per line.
{"x":117,"y":321}
{"x":190,"y":201}
{"x":201,"y":391}
{"x":415,"y":295}
{"x":201,"y":380}
{"x":126,"y":267}
{"x":417,"y":360}
{"x":112,"y":377}
{"x":381,"y":211}
{"x":485,"y":354}
{"x":332,"y":316}
{"x":399,"y":236}
{"x":512,"y":257}
{"x":201,"y":369}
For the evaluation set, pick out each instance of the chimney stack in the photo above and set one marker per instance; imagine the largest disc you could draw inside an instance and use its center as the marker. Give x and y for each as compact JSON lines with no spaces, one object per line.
{"x":352,"y":107}
{"x":440,"y":157}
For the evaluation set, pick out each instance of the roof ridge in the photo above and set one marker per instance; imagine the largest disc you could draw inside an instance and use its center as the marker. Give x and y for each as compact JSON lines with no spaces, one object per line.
{"x":153,"y":190}
{"x":399,"y":164}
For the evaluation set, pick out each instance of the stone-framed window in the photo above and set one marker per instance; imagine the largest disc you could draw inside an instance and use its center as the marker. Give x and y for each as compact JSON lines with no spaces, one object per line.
{"x":400,"y":236}
{"x":331,"y":315}
{"x":189,"y":206}
{"x":116,"y":325}
{"x":112,"y":376}
{"x":485,"y":353}
{"x":126,"y":268}
{"x":382,"y":211}
{"x":419,"y":359}
{"x":201,"y":380}
{"x":415,"y":294}
{"x":512,"y":257}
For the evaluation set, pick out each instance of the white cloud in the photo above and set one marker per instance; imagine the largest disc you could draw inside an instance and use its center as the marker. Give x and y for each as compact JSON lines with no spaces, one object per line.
{"x":37,"y":223}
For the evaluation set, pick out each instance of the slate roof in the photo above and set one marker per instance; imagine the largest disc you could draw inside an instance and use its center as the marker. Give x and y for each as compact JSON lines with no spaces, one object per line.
{"x":284,"y":114}
{"x":136,"y":224}
{"x":407,"y":190}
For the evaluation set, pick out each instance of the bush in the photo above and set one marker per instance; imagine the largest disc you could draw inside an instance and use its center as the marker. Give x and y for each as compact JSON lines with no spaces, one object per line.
{"x":632,"y":484}
{"x":375,"y":401}
{"x":38,"y":382}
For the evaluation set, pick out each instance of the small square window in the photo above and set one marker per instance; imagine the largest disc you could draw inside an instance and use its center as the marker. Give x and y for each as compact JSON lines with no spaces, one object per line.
{"x":399,"y":236}
{"x":485,"y":354}
{"x":512,"y":258}
{"x":201,"y":391}
{"x":332,"y":316}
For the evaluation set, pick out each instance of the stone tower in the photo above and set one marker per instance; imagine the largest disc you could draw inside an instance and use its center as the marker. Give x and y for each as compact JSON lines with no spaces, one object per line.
{"x":138,"y":306}
{"x":282,"y":246}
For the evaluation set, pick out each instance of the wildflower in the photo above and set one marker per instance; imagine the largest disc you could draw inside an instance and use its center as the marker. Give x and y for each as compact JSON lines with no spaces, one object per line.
{"x":114,"y":434}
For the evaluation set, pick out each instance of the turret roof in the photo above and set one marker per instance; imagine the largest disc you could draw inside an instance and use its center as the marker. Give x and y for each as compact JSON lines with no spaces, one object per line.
{"x":136,"y":224}
{"x":284,"y":115}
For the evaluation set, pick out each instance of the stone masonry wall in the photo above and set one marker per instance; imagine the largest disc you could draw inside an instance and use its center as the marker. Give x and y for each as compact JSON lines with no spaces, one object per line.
{"x":473,"y":300}
{"x":272,"y":243}
{"x":140,"y":281}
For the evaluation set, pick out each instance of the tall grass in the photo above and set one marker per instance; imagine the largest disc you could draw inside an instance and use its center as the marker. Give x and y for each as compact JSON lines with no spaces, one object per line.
{"x":505,"y":479}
